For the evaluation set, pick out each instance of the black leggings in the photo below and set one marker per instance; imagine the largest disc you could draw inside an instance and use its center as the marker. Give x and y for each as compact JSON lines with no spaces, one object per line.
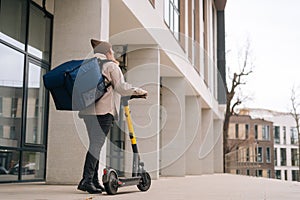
{"x":98,"y":127}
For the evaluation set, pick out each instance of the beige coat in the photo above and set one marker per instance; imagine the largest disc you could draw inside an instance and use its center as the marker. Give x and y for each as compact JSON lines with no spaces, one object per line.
{"x":110,"y":102}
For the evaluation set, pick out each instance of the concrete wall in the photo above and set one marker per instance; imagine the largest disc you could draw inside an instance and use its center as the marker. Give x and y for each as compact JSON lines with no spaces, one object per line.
{"x":218,"y":146}
{"x":71,"y":40}
{"x":206,"y":153}
{"x":173,"y":134}
{"x":193,"y":128}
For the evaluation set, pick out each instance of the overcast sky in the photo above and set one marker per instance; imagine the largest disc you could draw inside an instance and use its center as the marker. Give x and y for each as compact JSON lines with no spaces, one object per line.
{"x":273,"y":28}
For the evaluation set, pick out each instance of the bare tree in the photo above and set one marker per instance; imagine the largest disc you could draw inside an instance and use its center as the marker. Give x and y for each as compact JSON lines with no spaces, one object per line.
{"x":233,"y":99}
{"x":295,"y":114}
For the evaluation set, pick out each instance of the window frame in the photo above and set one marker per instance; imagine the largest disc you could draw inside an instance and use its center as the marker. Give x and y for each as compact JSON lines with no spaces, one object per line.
{"x":277,"y":134}
{"x":29,"y":58}
{"x":266,"y":132}
{"x":171,"y":18}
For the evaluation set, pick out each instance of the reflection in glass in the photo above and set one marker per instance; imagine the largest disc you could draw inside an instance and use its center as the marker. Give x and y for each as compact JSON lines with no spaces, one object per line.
{"x":33,"y":165}
{"x":11,"y":92}
{"x":39,"y":34}
{"x":13,"y":22}
{"x":9,"y":163}
{"x":35,"y":105}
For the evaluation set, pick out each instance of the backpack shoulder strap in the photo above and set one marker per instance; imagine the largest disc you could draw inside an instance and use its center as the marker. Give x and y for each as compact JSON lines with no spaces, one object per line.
{"x":101,"y":63}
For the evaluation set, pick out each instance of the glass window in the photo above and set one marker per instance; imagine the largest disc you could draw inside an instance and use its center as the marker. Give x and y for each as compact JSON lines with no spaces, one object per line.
{"x":295,"y":157}
{"x":285,"y":175}
{"x":277,"y":135}
{"x":236,"y":131}
{"x":12,"y":134}
{"x":248,"y":172}
{"x":248,"y":155}
{"x":9,"y":162}
{"x":256,"y":131}
{"x":259,"y":173}
{"x":265,"y":132}
{"x":1,"y":108}
{"x":259,"y":154}
{"x":167,"y":12}
{"x":284,"y":135}
{"x":14,"y":25}
{"x":283,"y":157}
{"x":268,"y":154}
{"x":295,"y":175}
{"x":172,"y":16}
{"x":294,"y":135}
{"x":35,"y":105}
{"x":275,"y":157}
{"x":33,"y":165}
{"x":247,"y":131}
{"x":176,"y":24}
{"x":13,"y":22}
{"x":39,"y":34}
{"x":278,"y":174}
{"x":1,"y":131}
{"x":11,"y":92}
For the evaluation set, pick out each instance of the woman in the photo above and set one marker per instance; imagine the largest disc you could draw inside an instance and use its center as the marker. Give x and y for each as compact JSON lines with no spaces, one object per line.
{"x":99,"y":117}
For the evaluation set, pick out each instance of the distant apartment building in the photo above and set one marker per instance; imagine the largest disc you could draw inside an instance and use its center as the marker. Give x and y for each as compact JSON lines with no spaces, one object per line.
{"x":286,"y":142}
{"x":251,"y":147}
{"x":175,"y":49}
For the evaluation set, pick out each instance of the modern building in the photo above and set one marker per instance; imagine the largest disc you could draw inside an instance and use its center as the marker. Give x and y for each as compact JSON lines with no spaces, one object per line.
{"x":175,"y":49}
{"x":286,"y":142}
{"x":251,"y":147}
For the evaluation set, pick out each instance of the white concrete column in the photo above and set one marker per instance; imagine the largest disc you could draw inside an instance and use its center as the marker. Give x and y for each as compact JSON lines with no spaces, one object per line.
{"x":143,"y":71}
{"x":193,"y":135}
{"x":206,"y":152}
{"x":75,"y":23}
{"x":218,"y":146}
{"x":173,"y":135}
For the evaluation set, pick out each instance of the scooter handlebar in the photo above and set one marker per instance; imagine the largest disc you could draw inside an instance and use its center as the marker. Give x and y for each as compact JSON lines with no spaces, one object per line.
{"x":125,"y":99}
{"x":144,"y":96}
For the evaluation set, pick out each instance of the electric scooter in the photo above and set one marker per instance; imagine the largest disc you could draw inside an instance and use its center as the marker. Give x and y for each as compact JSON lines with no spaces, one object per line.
{"x":140,"y":177}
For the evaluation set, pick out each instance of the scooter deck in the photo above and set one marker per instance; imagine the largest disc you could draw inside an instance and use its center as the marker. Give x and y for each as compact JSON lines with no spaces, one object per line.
{"x":129,"y":181}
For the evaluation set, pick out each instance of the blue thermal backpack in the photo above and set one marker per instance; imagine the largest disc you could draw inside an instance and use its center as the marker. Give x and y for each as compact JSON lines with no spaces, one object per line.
{"x":76,"y":84}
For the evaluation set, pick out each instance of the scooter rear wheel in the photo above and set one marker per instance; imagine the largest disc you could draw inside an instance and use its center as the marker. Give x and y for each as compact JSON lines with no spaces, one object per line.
{"x":111,"y":187}
{"x":145,"y":183}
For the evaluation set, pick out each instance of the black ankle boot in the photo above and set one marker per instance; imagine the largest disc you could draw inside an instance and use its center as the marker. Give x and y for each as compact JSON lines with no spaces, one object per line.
{"x":89,"y":187}
{"x":97,"y":185}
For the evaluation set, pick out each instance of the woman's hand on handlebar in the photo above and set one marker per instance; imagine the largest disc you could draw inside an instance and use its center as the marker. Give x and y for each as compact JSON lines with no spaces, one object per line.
{"x":139,"y":92}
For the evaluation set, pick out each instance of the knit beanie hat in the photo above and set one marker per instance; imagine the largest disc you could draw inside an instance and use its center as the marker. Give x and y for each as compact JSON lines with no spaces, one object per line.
{"x":100,"y":46}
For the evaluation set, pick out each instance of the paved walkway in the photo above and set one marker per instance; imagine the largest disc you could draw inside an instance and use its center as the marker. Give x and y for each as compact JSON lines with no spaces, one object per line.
{"x":205,"y":187}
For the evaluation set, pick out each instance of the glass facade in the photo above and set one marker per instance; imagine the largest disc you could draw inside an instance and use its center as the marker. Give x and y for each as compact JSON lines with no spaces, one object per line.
{"x":172,"y":16}
{"x":25,"y":52}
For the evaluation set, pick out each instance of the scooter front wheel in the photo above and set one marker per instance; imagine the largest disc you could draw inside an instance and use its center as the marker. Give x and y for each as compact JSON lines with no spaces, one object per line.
{"x":111,"y":187}
{"x":145,"y":182}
